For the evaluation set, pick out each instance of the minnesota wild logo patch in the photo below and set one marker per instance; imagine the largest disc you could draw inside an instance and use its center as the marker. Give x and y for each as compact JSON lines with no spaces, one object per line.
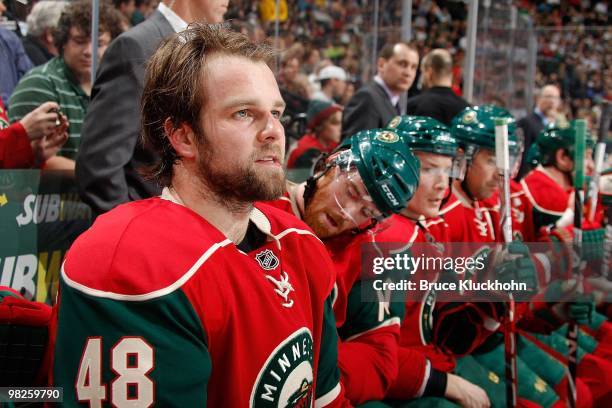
{"x":286,"y":378}
{"x":469,"y":117}
{"x":387,"y":136}
{"x":394,"y":122}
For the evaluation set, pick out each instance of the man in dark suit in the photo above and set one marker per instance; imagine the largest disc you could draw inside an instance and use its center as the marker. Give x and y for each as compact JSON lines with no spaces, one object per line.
{"x":545,"y":112}
{"x":377,"y":102}
{"x":107,"y":166}
{"x":438,"y":100}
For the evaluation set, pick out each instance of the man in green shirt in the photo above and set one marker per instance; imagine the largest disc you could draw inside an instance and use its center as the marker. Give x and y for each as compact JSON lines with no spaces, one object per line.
{"x":66,"y":79}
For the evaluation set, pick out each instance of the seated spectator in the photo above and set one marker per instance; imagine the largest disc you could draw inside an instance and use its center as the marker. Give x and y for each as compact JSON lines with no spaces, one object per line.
{"x":42,"y":22}
{"x":66,"y":79}
{"x":14,"y":62}
{"x":34,"y":139}
{"x":333,"y":84}
{"x":324,"y":123}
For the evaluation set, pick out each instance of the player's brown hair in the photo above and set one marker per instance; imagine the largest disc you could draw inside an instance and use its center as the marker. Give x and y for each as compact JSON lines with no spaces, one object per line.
{"x":78,"y":14}
{"x":174,"y":84}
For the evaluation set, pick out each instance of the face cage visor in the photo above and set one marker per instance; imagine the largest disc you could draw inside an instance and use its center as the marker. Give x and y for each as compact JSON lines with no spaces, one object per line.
{"x":350,"y":194}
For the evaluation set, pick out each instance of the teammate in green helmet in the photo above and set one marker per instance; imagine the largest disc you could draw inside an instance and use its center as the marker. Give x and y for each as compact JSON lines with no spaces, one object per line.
{"x":474,"y":129}
{"x":370,"y":176}
{"x":436,"y":149}
{"x":555,"y":145}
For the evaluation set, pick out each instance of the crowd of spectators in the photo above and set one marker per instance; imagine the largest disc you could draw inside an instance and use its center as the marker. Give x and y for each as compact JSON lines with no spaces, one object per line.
{"x":326,"y":49}
{"x":574,"y":40}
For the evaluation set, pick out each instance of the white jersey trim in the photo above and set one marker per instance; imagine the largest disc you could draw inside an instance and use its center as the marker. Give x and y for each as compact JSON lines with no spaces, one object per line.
{"x":545,"y":264}
{"x":425,"y":379}
{"x":433,"y":222}
{"x":328,"y":398}
{"x":389,"y":322}
{"x":450,"y":207}
{"x":151,"y":295}
{"x":535,"y":204}
{"x":490,"y":324}
{"x":409,"y":244}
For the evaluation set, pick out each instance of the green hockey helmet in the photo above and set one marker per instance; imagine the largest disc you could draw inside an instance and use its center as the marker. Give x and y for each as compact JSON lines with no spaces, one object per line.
{"x":474,"y":128}
{"x":389,"y":171}
{"x":424,"y":134}
{"x":555,"y":136}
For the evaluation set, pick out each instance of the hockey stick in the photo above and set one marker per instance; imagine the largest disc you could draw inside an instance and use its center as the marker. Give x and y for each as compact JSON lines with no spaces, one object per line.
{"x":572,"y":331}
{"x":600,"y":151}
{"x":502,"y":157}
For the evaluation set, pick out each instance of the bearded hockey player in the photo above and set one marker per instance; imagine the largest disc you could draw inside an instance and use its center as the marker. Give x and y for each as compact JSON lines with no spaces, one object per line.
{"x":477,"y":221}
{"x":370,"y":176}
{"x":199,"y":297}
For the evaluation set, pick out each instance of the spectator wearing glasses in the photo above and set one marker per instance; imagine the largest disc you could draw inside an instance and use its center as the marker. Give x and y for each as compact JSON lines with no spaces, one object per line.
{"x":66,"y":79}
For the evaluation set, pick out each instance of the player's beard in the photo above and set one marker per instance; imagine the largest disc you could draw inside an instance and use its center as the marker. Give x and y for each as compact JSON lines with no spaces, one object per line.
{"x":238,"y":186}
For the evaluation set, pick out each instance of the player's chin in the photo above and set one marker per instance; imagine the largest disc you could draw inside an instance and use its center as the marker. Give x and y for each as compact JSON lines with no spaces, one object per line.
{"x":321,"y":230}
{"x":430,"y":211}
{"x":270,"y":170}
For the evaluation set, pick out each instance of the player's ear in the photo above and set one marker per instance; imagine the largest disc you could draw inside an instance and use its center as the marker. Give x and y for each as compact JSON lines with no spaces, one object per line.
{"x":563,"y":159}
{"x":182,"y":139}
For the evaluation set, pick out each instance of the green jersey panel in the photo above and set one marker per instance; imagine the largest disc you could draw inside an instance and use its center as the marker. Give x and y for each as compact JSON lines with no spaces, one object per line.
{"x":119,"y":350}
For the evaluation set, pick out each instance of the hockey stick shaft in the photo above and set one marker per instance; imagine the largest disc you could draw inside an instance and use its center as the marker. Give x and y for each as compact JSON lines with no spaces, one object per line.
{"x":600,"y":152}
{"x":502,"y":157}
{"x":572,"y":331}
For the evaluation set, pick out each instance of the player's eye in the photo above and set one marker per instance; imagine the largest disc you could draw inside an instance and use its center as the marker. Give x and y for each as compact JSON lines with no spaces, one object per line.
{"x":242,"y":114}
{"x":277,"y":114}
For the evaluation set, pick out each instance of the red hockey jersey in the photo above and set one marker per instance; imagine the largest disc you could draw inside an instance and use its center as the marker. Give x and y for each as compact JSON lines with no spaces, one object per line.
{"x":548,"y":199}
{"x":308,"y":149}
{"x":157,"y":306}
{"x":417,"y":354}
{"x":369,"y":331}
{"x":15,"y":149}
{"x":466,"y":221}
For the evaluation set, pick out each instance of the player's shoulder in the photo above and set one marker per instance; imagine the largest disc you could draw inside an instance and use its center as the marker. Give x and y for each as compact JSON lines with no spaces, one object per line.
{"x":281,"y":223}
{"x":397,"y":229}
{"x":543,"y":192}
{"x":453,"y":206}
{"x":141,"y":247}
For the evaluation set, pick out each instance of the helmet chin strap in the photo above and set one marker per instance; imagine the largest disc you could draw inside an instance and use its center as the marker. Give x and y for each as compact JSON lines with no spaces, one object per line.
{"x":311,"y":184}
{"x":470,"y":153}
{"x":466,"y":190}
